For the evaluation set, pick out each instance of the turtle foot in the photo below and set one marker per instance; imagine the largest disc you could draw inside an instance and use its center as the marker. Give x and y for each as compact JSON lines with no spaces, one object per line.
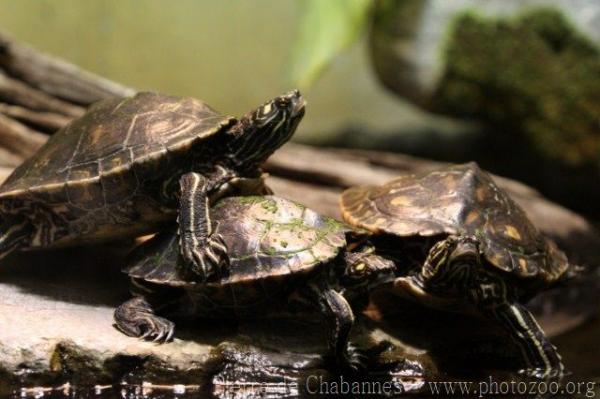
{"x":360,"y":361}
{"x":149,"y":327}
{"x":207,"y":261}
{"x":135,"y":319}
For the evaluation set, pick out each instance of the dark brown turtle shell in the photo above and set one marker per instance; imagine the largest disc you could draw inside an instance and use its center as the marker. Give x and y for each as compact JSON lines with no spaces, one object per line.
{"x":107,"y":141}
{"x":267,"y":238}
{"x":459,"y":199}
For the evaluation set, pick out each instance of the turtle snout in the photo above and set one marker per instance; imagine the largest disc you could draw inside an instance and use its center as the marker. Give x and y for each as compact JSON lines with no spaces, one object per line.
{"x":292,"y":94}
{"x":466,"y":251}
{"x":293,"y":102}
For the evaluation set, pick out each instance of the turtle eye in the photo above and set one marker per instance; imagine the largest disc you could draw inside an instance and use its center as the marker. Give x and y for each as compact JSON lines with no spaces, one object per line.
{"x":282,"y":102}
{"x":360,"y":268}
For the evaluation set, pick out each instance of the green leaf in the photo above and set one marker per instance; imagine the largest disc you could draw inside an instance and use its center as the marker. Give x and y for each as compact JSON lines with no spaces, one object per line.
{"x":326,"y":28}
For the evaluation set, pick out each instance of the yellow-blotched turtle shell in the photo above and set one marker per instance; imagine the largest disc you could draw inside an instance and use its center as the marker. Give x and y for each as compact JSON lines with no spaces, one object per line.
{"x":115,"y":172}
{"x":83,"y":178}
{"x":269,"y":240}
{"x":459,"y":199}
{"x":281,"y":253}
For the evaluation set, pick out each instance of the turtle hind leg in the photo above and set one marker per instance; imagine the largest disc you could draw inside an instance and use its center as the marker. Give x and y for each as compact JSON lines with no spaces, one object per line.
{"x":541,"y":358}
{"x":494,"y":299}
{"x":136,"y":318}
{"x":15,"y":232}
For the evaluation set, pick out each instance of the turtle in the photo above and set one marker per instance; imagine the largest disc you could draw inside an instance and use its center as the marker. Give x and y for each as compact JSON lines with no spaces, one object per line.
{"x":462,"y":243}
{"x":281,"y":253}
{"x":129,"y":166}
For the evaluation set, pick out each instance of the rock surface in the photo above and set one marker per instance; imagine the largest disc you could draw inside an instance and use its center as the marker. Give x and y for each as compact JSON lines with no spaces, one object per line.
{"x":58,"y":307}
{"x":56,"y":311}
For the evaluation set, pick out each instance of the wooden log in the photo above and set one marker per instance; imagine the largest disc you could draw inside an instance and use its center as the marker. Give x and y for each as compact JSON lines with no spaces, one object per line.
{"x":17,"y":92}
{"x":8,"y":160}
{"x":5,"y":172}
{"x":325,"y":167}
{"x":46,"y":121}
{"x":321,"y":198}
{"x":18,"y":138}
{"x":54,"y":76}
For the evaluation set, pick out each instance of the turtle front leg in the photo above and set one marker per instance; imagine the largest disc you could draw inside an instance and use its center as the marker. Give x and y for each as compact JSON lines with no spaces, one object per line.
{"x":340,"y":317}
{"x":15,"y":232}
{"x":541,"y":359}
{"x":205,"y":252}
{"x":136,"y":318}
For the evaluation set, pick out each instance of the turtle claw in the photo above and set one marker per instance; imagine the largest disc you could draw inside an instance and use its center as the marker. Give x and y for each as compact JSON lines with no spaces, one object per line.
{"x":208,"y":260}
{"x":355,"y":361}
{"x":145,"y":335}
{"x":149,"y":327}
{"x":170,"y":334}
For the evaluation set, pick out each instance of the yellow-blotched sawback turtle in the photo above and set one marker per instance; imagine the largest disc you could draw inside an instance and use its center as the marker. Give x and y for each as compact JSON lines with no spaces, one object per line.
{"x":129,"y":165}
{"x":279,"y":251}
{"x":459,"y":239}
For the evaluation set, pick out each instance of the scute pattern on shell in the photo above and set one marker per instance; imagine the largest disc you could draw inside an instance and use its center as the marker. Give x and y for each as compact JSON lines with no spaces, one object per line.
{"x":267,"y":238}
{"x":458,"y":199}
{"x":111,"y":136}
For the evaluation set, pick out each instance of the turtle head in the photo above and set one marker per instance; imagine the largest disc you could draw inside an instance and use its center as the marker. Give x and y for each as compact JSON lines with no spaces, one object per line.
{"x":454,"y":250}
{"x":262,"y":131}
{"x":466,"y":250}
{"x":368,"y":270}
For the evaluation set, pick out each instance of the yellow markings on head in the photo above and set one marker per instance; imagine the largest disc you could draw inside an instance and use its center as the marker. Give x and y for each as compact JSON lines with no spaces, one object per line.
{"x":512,"y":232}
{"x":360,"y":267}
{"x":401,"y":201}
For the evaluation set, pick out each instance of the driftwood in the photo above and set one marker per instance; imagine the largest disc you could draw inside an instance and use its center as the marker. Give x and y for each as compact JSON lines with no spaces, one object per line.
{"x":45,"y":121}
{"x":20,"y":93}
{"x":18,"y":138}
{"x":41,"y":93}
{"x":54,"y":76}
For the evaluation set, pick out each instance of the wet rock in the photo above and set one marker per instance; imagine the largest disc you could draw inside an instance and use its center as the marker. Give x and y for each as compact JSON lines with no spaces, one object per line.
{"x":56,"y":311}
